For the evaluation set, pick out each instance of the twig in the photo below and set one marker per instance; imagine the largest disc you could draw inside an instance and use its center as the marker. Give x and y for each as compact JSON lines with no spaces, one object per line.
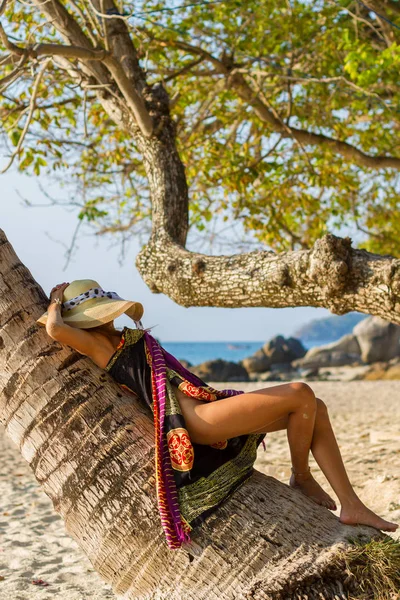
{"x":84,"y":113}
{"x":32,"y":106}
{"x":126,"y":87}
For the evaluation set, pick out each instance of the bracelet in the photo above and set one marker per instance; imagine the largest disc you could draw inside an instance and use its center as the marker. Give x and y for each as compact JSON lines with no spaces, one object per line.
{"x":304,"y":473}
{"x":56,"y":301}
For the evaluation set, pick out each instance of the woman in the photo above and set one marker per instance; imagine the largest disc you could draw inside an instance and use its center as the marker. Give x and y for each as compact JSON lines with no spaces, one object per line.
{"x":206,"y":440}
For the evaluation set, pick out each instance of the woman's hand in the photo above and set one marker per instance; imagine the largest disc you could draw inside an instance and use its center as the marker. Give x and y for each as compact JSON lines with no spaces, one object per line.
{"x":54,"y":317}
{"x":57,"y":291}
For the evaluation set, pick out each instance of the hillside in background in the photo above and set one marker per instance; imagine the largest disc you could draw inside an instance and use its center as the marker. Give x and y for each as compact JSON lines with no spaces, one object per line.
{"x":329,"y":328}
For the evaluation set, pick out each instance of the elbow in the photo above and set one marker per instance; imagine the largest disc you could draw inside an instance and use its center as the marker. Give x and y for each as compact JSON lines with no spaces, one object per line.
{"x":53,"y":331}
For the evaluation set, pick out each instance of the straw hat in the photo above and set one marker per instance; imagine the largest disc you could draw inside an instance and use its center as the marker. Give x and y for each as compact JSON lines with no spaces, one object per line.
{"x":86,"y":304}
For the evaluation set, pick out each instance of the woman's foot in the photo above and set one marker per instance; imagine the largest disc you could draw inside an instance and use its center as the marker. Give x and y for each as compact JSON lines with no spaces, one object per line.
{"x":356,"y":513}
{"x":307,"y":485}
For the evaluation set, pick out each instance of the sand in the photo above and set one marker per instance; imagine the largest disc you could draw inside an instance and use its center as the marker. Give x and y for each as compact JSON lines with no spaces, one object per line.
{"x":34,"y":546}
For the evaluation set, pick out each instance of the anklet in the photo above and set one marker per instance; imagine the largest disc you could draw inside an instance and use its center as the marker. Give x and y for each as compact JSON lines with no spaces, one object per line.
{"x":297,"y":473}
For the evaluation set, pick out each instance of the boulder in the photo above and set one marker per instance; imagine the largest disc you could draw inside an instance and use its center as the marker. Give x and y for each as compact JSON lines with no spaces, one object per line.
{"x":256,"y":363}
{"x":326,"y":358}
{"x":347,"y":343}
{"x":282,"y":368}
{"x":310,"y":373}
{"x":220,"y":370}
{"x":270,"y":376}
{"x":277,"y":350}
{"x":283,"y":350}
{"x":345,"y":351}
{"x":379,"y":339}
{"x":185,"y":363}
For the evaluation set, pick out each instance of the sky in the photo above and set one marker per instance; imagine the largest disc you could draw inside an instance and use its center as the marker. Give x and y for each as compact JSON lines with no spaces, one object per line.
{"x":40,"y":236}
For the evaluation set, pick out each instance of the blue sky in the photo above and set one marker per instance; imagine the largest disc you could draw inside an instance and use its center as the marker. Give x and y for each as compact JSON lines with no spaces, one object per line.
{"x":41,"y":235}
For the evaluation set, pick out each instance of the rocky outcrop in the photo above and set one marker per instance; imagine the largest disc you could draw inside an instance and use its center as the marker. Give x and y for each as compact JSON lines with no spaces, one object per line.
{"x":220,"y":370}
{"x":372,"y":340}
{"x":379,"y":339}
{"x":278,"y":350}
{"x":345,"y":351}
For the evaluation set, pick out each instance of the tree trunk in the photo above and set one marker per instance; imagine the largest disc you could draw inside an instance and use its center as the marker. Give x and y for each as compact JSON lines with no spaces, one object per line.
{"x":91,"y":447}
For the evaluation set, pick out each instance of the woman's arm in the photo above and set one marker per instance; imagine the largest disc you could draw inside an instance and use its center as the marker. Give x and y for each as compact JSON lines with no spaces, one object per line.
{"x":79,"y":339}
{"x":54,"y":319}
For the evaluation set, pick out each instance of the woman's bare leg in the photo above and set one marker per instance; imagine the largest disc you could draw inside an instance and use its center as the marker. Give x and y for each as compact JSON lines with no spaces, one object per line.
{"x":292,"y":406}
{"x":326,"y":452}
{"x":211,"y":422}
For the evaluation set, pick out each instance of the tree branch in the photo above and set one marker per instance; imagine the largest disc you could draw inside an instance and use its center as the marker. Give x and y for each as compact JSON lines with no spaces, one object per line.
{"x":331,"y":274}
{"x":134,"y":101}
{"x":94,"y":60}
{"x":32,"y":106}
{"x":237,"y":81}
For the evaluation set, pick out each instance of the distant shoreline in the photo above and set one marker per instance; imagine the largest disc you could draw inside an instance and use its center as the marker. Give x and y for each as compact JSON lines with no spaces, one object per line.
{"x":200,"y":352}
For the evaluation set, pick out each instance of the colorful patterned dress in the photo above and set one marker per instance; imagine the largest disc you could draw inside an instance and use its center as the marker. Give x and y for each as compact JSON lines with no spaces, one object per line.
{"x":191,"y":479}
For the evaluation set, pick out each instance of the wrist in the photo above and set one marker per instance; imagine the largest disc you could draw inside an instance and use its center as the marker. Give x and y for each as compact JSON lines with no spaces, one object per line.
{"x":55,"y":301}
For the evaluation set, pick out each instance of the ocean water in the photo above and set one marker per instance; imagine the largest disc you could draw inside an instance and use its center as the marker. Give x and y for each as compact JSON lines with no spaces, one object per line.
{"x":198,"y":352}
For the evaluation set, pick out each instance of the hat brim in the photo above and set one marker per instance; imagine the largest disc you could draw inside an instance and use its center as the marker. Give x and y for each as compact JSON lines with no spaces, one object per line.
{"x":92,"y":316}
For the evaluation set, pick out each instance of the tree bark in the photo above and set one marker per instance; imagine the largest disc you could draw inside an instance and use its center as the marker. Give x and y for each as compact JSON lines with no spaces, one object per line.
{"x":91,"y":448}
{"x":331,"y":274}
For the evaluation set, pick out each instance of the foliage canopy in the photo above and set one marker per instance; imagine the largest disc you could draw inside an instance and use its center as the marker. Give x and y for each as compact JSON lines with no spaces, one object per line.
{"x":287,"y":116}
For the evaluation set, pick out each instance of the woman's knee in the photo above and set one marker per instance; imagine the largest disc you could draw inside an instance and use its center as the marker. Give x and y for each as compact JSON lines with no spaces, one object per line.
{"x":322,"y":409}
{"x":304,"y":394}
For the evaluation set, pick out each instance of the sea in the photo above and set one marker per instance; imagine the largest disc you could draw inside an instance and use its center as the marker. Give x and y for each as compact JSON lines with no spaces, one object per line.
{"x":199,"y":352}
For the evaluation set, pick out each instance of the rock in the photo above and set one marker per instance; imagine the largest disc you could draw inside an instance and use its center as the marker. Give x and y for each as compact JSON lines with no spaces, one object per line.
{"x":220,"y":370}
{"x":277,"y":350}
{"x":185,"y":363}
{"x":344,"y":351}
{"x":281,"y":350}
{"x":326,"y":359}
{"x":310,"y":373}
{"x":376,"y":371}
{"x":347,"y":344}
{"x":383,"y":370}
{"x":395,"y":360}
{"x":257,"y":363}
{"x":271,"y":376}
{"x":393,"y":372}
{"x":282,"y":368}
{"x":379,"y":339}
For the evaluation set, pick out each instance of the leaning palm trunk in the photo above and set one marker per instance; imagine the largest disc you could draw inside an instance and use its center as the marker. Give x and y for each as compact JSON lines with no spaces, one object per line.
{"x":91,"y":448}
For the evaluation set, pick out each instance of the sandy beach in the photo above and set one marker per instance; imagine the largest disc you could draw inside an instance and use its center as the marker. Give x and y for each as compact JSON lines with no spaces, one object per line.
{"x":34,"y":547}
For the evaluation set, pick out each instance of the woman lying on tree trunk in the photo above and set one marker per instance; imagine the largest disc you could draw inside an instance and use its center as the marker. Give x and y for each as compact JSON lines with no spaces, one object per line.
{"x":206,"y":440}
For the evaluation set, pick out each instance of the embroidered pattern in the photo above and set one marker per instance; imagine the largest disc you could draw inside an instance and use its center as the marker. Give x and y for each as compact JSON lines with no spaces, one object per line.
{"x":220,"y":445}
{"x":180,"y":449}
{"x":202,"y":393}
